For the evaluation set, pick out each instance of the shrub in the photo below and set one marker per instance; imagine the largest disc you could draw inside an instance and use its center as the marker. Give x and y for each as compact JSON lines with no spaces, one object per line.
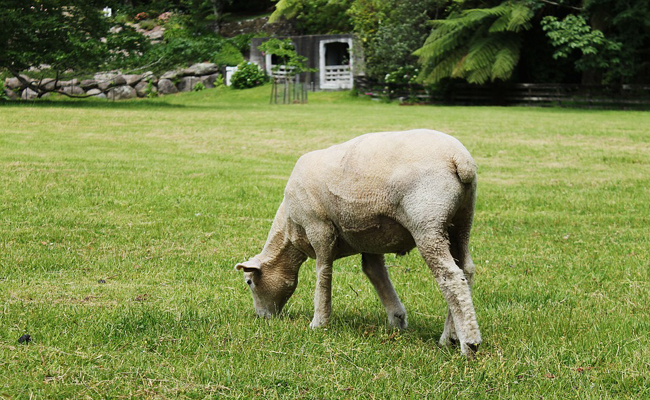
{"x":228,"y":55}
{"x":147,"y":24}
{"x":198,"y":87}
{"x":248,"y":75}
{"x":3,"y":95}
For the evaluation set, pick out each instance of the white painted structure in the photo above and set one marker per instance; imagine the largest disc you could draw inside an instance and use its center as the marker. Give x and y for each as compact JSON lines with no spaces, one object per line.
{"x":337,"y":75}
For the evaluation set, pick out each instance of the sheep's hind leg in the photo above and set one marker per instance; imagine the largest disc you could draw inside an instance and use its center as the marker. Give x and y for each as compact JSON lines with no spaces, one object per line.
{"x":459,"y":233}
{"x":375,"y":269}
{"x":454,"y":287}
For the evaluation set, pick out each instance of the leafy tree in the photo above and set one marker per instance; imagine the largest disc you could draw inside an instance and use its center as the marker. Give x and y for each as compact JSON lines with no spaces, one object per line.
{"x":478,"y":44}
{"x":314,"y":16}
{"x":286,"y":53}
{"x":573,"y":34}
{"x":64,"y":34}
{"x":390,"y":32}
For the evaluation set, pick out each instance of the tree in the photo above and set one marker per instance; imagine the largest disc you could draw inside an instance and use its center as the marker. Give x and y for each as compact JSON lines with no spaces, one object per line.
{"x":390,"y":31}
{"x":65,"y":35}
{"x":314,"y":16}
{"x":477,"y":45}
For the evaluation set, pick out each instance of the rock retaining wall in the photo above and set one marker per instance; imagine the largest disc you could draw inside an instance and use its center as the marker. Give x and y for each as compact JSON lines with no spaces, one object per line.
{"x":118,"y":86}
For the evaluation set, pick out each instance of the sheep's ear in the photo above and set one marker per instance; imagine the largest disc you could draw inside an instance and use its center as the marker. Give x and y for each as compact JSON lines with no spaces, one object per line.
{"x":250,"y":265}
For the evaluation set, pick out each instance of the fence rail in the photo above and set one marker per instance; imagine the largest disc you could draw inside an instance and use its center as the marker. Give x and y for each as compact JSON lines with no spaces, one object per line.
{"x":597,"y":96}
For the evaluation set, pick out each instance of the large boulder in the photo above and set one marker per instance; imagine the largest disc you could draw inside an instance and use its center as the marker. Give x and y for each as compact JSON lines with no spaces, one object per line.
{"x":132,"y":80}
{"x":11,"y":95}
{"x":15,"y":83}
{"x":141,"y":89}
{"x":121,"y":92}
{"x":88,"y":84}
{"x":149,"y":76}
{"x":105,"y":85}
{"x":187,"y":84}
{"x":166,"y":86}
{"x":209,"y":80}
{"x":201,"y":69}
{"x":72,"y":82}
{"x":171,"y":74}
{"x":96,"y":93}
{"x":48,"y":84}
{"x":28,"y":94}
{"x":73,"y":90}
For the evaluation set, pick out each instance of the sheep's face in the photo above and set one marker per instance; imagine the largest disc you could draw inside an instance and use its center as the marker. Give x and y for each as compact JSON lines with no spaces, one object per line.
{"x":271,"y":288}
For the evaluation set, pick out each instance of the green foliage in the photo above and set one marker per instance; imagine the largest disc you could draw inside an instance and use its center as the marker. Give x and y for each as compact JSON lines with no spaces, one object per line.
{"x":198,"y":87}
{"x":147,"y":24}
{"x":228,"y":55}
{"x":390,"y":31}
{"x":149,"y":90}
{"x":3,"y":95}
{"x":572,"y":34}
{"x":248,"y":75}
{"x":403,"y":75}
{"x":67,"y":35}
{"x":284,"y":50}
{"x":476,"y":45}
{"x":315,"y":16}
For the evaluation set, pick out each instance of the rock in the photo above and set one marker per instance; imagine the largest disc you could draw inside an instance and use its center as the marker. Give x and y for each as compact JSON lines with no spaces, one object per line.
{"x":73,"y":90}
{"x":149,"y":76}
{"x":47,"y":84}
{"x":165,"y":86}
{"x":88,"y":84}
{"x":201,"y":69}
{"x":156,"y":34}
{"x":187,"y":84}
{"x":29,"y":94}
{"x":106,"y":76}
{"x":11,"y":94}
{"x":72,"y":82}
{"x":209,"y":80}
{"x":94,"y":92}
{"x":15,"y":83}
{"x":119,"y":80}
{"x":121,"y":92}
{"x":171,"y":75}
{"x":132,"y":80}
{"x":104,"y":85}
{"x":141,"y":88}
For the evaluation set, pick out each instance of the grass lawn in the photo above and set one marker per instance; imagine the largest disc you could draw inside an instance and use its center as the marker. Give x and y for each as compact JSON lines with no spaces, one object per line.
{"x":120,"y":225}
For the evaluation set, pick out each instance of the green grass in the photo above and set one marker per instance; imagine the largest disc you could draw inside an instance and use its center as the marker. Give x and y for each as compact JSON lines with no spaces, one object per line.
{"x":160,"y":198}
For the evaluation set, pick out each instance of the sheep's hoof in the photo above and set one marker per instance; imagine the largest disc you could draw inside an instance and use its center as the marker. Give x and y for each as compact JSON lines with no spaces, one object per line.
{"x":318,"y":323}
{"x":398,"y":320}
{"x":450,"y":340}
{"x":470,"y":350}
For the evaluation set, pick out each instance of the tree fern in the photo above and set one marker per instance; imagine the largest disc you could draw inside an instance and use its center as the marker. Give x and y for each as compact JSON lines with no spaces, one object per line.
{"x":476,"y":45}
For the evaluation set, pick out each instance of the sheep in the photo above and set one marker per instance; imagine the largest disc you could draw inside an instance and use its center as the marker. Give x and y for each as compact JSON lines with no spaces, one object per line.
{"x":385,"y":192}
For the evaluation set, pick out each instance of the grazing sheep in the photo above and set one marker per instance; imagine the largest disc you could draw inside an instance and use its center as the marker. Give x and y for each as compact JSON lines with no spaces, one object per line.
{"x":379,"y":193}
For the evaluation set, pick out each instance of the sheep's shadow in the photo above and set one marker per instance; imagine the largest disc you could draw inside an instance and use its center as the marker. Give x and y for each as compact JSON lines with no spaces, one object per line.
{"x":372,"y":324}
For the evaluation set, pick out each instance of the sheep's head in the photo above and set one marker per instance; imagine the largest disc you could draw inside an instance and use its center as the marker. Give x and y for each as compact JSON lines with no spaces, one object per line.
{"x":270,"y":286}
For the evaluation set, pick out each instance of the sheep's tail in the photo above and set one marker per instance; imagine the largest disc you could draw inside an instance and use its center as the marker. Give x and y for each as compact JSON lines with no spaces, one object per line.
{"x":465,"y":167}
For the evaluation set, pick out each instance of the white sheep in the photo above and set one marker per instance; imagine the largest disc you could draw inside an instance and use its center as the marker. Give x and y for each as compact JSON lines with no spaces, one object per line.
{"x":379,"y":193}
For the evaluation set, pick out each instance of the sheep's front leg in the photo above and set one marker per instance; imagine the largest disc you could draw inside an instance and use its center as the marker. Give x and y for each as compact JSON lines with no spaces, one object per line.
{"x":375,"y":269}
{"x":323,"y":294}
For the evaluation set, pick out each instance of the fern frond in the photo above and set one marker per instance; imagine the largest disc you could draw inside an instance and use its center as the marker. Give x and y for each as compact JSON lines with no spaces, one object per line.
{"x":433,"y":73}
{"x":506,"y":59}
{"x":285,"y":8}
{"x":520,"y":16}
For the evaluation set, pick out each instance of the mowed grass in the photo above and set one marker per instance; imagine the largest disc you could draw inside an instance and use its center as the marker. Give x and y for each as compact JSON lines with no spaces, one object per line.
{"x":160,"y":198}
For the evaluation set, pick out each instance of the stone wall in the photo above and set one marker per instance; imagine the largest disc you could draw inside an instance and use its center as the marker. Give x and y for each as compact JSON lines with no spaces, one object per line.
{"x":118,"y":86}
